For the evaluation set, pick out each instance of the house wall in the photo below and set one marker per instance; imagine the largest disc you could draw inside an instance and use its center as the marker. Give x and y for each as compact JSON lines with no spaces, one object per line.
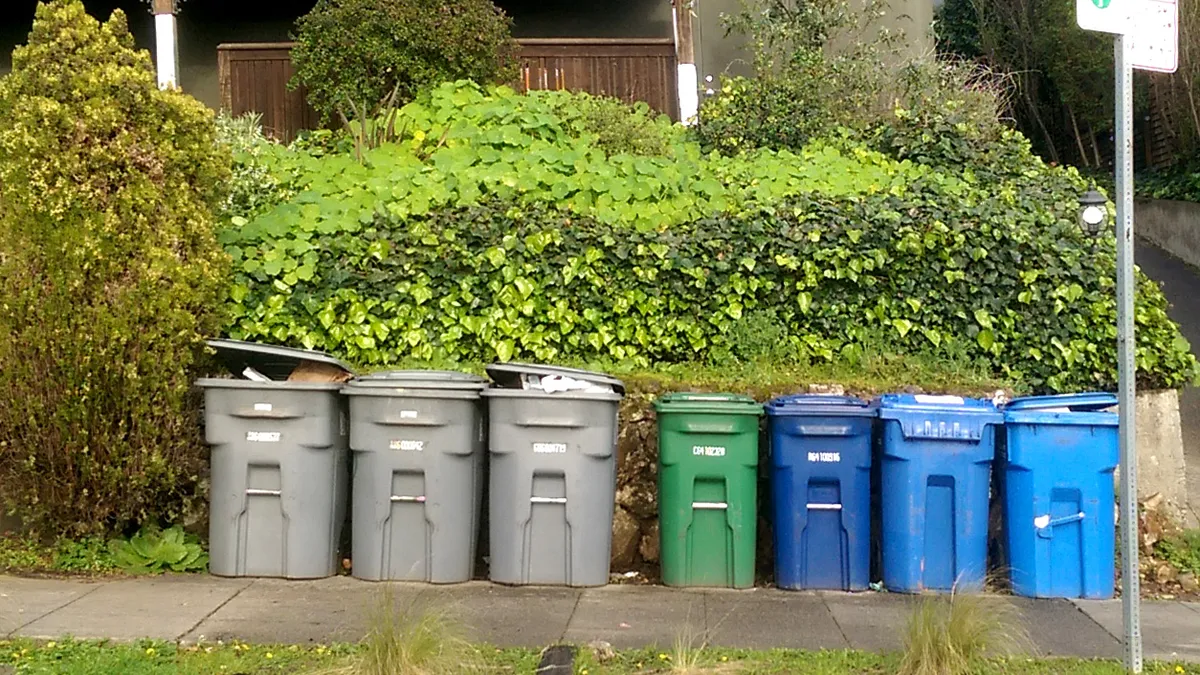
{"x":717,"y":55}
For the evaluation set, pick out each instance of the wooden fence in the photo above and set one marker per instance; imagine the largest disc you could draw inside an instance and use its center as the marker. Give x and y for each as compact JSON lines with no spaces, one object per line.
{"x":254,"y":77}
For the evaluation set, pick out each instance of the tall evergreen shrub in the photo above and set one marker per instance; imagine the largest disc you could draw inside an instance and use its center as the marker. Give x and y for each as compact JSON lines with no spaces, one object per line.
{"x":109,"y":276}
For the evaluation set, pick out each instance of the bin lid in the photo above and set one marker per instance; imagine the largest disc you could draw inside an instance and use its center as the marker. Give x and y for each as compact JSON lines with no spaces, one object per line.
{"x":688,"y":402}
{"x":1089,"y":402}
{"x":950,"y":418}
{"x":937,"y":404}
{"x":272,"y":361}
{"x":518,"y":375}
{"x":421,"y":379}
{"x":826,"y":405}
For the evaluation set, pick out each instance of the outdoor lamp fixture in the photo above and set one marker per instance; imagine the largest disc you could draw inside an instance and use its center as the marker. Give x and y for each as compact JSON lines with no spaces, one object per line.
{"x":1093,"y":212}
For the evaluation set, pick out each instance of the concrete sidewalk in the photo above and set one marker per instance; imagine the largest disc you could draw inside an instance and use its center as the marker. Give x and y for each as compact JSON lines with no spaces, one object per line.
{"x":204,"y":608}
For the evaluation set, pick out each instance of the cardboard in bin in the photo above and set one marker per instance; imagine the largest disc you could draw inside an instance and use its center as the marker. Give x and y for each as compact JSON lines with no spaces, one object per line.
{"x":267,"y":363}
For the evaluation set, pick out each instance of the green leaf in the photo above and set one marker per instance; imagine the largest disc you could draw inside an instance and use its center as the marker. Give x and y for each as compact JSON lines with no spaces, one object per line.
{"x":504,"y":350}
{"x":986,"y":339}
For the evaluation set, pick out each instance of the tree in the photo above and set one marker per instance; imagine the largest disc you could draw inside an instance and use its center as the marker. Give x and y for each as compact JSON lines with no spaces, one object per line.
{"x":110,"y":276}
{"x":359,"y":56}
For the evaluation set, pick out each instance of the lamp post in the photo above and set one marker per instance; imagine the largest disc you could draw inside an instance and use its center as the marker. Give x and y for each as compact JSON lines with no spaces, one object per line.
{"x":1093,"y":211}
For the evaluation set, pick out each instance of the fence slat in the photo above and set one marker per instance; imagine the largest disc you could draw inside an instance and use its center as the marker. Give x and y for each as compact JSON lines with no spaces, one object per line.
{"x":254,"y":77}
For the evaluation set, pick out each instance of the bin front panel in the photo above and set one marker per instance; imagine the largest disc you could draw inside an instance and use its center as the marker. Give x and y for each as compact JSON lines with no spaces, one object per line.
{"x":934,"y":494}
{"x":708,"y":498}
{"x":279,"y":481}
{"x":821,"y":485}
{"x":418,"y":485}
{"x":552,"y":487}
{"x":1058,"y":507}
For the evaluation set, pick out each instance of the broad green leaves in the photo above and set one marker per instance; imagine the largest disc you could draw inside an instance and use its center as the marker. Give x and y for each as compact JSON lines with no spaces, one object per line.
{"x":515,"y":237}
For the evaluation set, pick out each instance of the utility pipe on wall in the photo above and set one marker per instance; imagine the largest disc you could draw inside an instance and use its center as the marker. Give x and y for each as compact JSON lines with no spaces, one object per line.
{"x":167,"y":43}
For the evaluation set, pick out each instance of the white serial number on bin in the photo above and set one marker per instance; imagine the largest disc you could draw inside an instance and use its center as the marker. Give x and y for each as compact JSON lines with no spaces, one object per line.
{"x":550,"y":448}
{"x":708,"y":451}
{"x":262,"y":436}
{"x":410,"y":446}
{"x":830,"y":457}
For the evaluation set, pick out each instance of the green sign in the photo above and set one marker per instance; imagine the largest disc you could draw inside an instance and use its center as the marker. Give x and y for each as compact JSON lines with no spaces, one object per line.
{"x":1102,"y":4}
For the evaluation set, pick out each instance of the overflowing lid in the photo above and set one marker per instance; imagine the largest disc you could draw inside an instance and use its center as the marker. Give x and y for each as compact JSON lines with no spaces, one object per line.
{"x":821,"y":404}
{"x":263,"y":363}
{"x":551,"y":379}
{"x":1088,"y":402}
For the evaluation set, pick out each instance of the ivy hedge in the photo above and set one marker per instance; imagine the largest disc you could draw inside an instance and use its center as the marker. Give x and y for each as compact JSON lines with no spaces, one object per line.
{"x":498,"y":228}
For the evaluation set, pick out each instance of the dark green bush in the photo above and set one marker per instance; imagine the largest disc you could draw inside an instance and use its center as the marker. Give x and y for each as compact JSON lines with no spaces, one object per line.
{"x":110,"y":277}
{"x":357,"y":54}
{"x":1179,"y":182}
{"x":939,"y":265}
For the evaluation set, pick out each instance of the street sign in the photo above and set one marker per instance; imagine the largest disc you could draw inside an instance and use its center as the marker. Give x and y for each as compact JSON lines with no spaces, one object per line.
{"x":1155,"y":36}
{"x":1105,"y":16}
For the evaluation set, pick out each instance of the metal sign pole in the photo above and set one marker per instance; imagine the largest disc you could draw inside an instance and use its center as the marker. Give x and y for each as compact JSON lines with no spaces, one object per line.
{"x":1127,"y":367}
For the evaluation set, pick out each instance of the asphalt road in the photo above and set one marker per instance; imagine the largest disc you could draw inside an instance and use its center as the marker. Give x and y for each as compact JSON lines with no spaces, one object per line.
{"x":1181,"y":284}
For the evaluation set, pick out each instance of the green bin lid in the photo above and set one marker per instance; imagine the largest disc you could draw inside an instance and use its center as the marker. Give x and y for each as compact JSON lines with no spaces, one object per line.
{"x":685,"y":402}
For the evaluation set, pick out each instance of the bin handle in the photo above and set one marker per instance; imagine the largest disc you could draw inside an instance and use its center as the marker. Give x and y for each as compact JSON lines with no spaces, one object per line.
{"x":825,"y":507}
{"x":551,"y":423}
{"x":265,"y":415}
{"x":1045,"y":526}
{"x":710,"y":506}
{"x":255,"y":492}
{"x":547,"y":500}
{"x":408,"y":499}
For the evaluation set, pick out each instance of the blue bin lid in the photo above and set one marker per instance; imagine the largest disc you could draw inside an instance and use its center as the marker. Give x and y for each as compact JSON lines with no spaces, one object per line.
{"x":1089,"y":402}
{"x":938,"y":404}
{"x":940,"y":417}
{"x":825,"y":405}
{"x":1065,"y":410}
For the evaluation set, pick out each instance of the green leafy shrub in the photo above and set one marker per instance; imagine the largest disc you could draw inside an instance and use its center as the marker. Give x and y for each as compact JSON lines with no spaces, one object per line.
{"x":618,"y":128}
{"x":1182,"y":550}
{"x":358,"y":54}
{"x":110,"y":278}
{"x":153,"y":551}
{"x":1180,"y":182}
{"x":496,"y":229}
{"x":252,"y":187}
{"x":462,"y":145}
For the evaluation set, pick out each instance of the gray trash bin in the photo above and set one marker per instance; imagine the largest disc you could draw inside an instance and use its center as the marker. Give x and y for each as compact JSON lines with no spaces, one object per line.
{"x":552,"y":474}
{"x":280,"y":465}
{"x":418,"y":443}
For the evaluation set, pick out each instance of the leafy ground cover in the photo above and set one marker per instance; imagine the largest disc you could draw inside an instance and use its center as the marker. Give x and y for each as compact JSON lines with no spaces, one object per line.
{"x":26,"y":555}
{"x":69,"y":657}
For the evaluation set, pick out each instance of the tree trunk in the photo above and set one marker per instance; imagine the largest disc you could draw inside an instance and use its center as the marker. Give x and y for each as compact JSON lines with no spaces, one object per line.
{"x":1078,"y":139}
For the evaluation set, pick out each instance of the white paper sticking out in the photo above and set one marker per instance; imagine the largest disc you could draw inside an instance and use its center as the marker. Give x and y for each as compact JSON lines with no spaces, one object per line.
{"x":1042,"y":522}
{"x":252,"y":374}
{"x":941,"y":400}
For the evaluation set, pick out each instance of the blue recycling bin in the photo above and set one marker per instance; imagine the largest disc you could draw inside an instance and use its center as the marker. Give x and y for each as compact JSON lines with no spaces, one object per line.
{"x":1057,"y":465}
{"x":937,"y":454}
{"x":821,"y":491}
